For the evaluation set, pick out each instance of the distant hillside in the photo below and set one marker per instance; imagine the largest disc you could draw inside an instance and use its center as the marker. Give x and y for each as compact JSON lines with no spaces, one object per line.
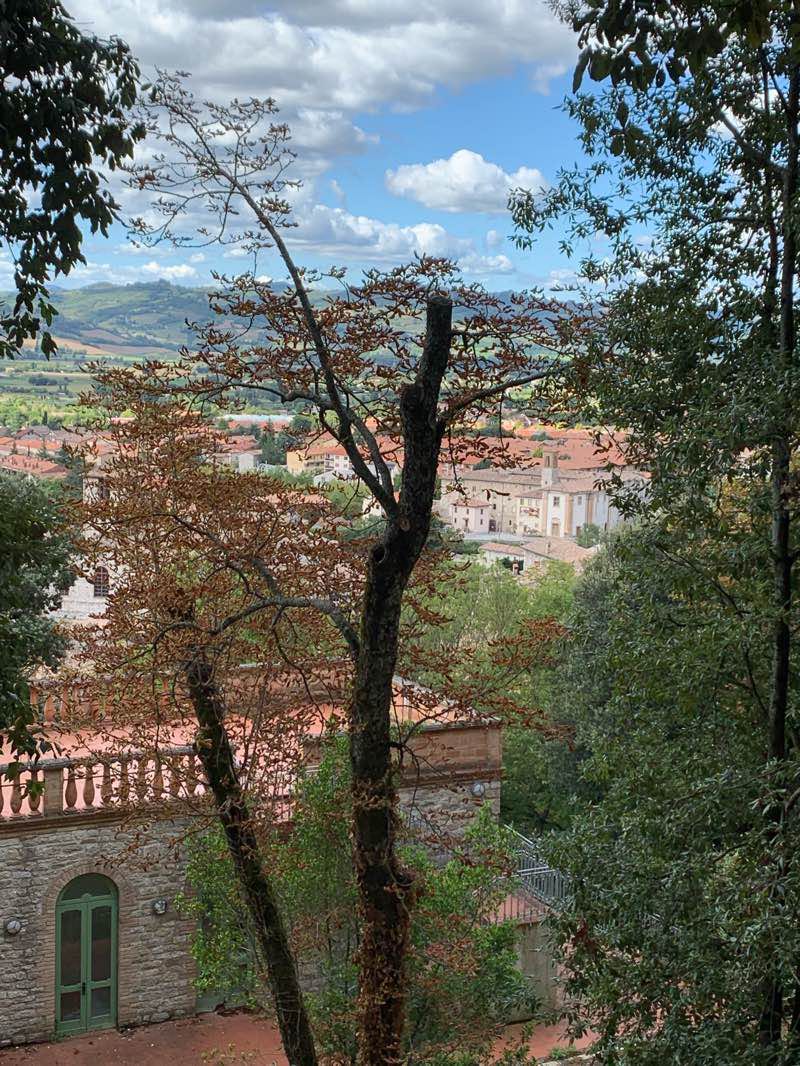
{"x":127,"y":319}
{"x":116,"y":324}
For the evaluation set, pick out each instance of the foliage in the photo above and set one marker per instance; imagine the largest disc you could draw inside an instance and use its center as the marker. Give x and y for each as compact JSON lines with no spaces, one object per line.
{"x":65,"y":106}
{"x":274,"y":446}
{"x":383,"y":371}
{"x":347,"y":497}
{"x":682,"y":939}
{"x":464,"y":979}
{"x":483,"y":607}
{"x":672,"y":896}
{"x":34,"y":573}
{"x":480,"y":604}
{"x":589,"y":535}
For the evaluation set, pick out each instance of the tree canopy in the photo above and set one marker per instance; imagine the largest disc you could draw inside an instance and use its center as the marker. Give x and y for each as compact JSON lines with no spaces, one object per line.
{"x":690,"y":344}
{"x":64,"y":120}
{"x":34,"y":574}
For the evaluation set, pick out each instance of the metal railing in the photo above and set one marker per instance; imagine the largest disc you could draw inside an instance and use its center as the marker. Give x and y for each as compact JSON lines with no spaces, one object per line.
{"x":533,"y":885}
{"x":536,"y":876}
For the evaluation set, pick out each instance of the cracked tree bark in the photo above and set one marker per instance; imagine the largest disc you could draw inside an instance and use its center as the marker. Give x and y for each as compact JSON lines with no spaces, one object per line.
{"x":385,"y":886}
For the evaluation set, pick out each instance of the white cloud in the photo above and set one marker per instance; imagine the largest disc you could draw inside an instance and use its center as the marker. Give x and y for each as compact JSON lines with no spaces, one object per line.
{"x":542,"y":75}
{"x":334,"y":231}
{"x":178,"y":272}
{"x":329,"y":63}
{"x":494,"y":239}
{"x":336,"y":54}
{"x":559,"y":279}
{"x":135,"y":248}
{"x":326,"y":60}
{"x":480,"y":265}
{"x":464,"y":182}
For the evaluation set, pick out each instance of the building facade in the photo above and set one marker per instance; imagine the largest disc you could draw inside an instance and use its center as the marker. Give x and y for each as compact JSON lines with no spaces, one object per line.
{"x":90,"y":934}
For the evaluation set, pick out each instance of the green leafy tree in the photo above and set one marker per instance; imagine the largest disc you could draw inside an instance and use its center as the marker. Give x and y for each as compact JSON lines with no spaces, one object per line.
{"x":480,"y":606}
{"x":688,"y":338}
{"x":274,"y":447}
{"x":34,"y":573}
{"x":589,"y":535}
{"x":464,"y":976}
{"x":672,"y":894}
{"x":347,"y":497}
{"x":65,"y":105}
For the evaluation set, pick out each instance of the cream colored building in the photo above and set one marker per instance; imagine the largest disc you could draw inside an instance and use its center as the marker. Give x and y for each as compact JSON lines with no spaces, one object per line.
{"x":470,"y":516}
{"x":497,"y":489}
{"x":555,"y":498}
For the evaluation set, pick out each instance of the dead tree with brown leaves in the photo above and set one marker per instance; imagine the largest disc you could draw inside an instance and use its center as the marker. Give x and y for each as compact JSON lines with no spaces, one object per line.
{"x":400,"y":368}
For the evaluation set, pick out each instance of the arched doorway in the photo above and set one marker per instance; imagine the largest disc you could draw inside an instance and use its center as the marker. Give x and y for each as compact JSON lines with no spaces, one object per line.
{"x":86,"y":955}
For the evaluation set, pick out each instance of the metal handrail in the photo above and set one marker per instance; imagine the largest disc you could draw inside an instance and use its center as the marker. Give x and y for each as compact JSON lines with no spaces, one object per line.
{"x":536,"y":876}
{"x":532,"y":875}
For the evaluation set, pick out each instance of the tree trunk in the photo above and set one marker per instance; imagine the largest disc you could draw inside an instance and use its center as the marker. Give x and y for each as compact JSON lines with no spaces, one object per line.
{"x":216,"y":755}
{"x":385,"y":887}
{"x":771,"y":1024}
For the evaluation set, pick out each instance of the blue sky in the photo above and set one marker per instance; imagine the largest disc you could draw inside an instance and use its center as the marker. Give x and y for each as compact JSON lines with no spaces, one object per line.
{"x":410,"y":124}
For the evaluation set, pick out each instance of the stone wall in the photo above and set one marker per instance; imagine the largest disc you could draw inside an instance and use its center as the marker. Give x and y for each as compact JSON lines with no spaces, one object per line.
{"x":449,"y":771}
{"x":447,"y":810}
{"x":155,"y":972}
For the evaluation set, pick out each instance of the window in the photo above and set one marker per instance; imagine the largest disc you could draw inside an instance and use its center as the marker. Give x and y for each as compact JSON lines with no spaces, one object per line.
{"x":579,"y":500}
{"x":101,"y":583}
{"x":556,"y":501}
{"x":94,"y":884}
{"x":103,"y":491}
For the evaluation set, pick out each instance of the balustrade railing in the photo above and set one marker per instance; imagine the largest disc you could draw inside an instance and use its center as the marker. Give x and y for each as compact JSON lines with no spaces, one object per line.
{"x":50,"y":788}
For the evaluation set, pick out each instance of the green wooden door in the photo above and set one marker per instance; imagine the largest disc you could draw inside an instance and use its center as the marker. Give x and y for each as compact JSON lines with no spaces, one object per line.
{"x":86,"y":955}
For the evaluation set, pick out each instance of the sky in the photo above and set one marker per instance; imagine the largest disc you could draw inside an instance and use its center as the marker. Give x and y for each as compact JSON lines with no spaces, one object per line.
{"x":411,"y":123}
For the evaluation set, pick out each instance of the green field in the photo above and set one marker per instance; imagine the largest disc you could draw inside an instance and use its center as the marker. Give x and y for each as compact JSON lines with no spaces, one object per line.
{"x":116,"y":324}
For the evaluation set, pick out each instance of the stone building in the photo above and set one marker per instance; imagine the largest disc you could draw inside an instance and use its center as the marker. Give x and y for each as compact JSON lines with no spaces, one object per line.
{"x":497,"y":490}
{"x":90,"y":936}
{"x":553,"y":495}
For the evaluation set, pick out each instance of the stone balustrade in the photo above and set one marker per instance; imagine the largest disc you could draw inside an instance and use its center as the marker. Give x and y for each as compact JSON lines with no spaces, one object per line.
{"x":60,"y":788}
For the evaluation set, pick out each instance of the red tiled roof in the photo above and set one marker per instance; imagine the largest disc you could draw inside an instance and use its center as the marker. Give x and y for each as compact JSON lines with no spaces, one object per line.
{"x":470,"y":503}
{"x":495,"y":546}
{"x":240,"y":444}
{"x":25,"y":464}
{"x":567,"y":551}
